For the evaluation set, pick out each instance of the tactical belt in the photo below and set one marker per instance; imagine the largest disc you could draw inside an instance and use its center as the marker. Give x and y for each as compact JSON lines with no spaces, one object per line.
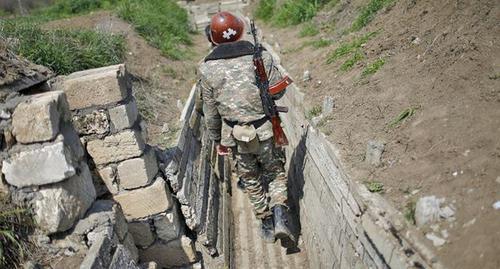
{"x":256,"y":123}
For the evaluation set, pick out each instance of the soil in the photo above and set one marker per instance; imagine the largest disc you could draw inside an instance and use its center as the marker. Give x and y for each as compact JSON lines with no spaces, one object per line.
{"x":443,"y":59}
{"x":160,"y":85}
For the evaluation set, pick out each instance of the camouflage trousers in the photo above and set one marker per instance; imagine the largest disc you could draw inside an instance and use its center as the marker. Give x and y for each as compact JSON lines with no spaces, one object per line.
{"x":263,"y":174}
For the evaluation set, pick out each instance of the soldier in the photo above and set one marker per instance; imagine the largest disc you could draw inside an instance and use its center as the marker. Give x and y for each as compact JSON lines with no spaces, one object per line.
{"x":236,"y":121}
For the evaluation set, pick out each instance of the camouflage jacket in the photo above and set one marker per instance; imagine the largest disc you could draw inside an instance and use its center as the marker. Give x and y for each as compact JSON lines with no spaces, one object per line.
{"x":229,"y":92}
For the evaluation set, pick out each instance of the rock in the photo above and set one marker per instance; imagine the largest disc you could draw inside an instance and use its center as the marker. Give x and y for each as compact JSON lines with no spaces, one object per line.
{"x":99,"y":255}
{"x":436,"y":241}
{"x":374,"y":150}
{"x":122,"y":259}
{"x":138,"y":172}
{"x":145,"y":202}
{"x":95,"y":87}
{"x":446,"y":212}
{"x":31,"y":265}
{"x":37,"y":119}
{"x":306,"y":76}
{"x":58,"y":206}
{"x":469,"y":223}
{"x":498,"y":180}
{"x":316,"y":120}
{"x":96,"y":122}
{"x":427,"y":210}
{"x":129,"y":244}
{"x":496,"y":205}
{"x":149,"y":265}
{"x":168,"y":225}
{"x":4,"y":115}
{"x":144,"y":130}
{"x":124,"y":116}
{"x":180,"y":105}
{"x":114,"y":148}
{"x":48,"y":164}
{"x":142,"y":234}
{"x":328,"y":105}
{"x":174,"y":253}
{"x":165,"y":128}
{"x":108,"y":176}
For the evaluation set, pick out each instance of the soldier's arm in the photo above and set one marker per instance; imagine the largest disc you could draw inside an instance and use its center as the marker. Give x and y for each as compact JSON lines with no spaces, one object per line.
{"x":213,"y":120}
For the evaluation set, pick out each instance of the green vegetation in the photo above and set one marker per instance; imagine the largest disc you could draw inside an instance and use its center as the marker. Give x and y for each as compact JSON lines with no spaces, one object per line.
{"x":309,"y":29}
{"x":347,"y":48}
{"x":161,"y":22}
{"x":291,"y":12}
{"x":368,"y":13}
{"x":349,"y":64}
{"x":265,"y":9}
{"x":402,"y":116}
{"x":494,"y":76}
{"x":373,"y":67}
{"x":64,"y":51}
{"x":66,"y":8}
{"x":15,"y":226}
{"x":320,"y":43}
{"x":409,"y":212}
{"x":374,"y":186}
{"x":314,"y":112}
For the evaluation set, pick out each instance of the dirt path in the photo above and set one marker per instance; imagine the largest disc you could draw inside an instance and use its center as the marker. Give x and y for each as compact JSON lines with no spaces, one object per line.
{"x":250,"y":251}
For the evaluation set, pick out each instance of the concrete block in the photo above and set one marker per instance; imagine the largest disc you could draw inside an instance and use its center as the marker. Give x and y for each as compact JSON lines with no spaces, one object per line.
{"x":39,"y":166}
{"x":108,"y":176}
{"x":58,"y":206}
{"x":174,"y":253}
{"x":37,"y":119}
{"x":168,"y":225}
{"x":96,"y":122}
{"x":142,"y":234}
{"x":124,"y":116}
{"x":138,"y":172}
{"x":125,"y":145}
{"x":145,"y":202}
{"x":95,"y":87}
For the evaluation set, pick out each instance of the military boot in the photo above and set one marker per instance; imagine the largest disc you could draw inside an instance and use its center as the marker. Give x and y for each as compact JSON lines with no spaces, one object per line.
{"x":281,"y":226}
{"x":267,"y":230}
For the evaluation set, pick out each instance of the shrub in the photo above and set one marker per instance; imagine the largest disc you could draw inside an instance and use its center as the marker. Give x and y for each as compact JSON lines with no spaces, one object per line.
{"x":293,"y":12}
{"x":265,"y":9}
{"x":64,"y":51}
{"x":309,"y":29}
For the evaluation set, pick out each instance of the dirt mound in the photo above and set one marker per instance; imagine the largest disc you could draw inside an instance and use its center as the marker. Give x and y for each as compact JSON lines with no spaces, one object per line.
{"x":442,"y":62}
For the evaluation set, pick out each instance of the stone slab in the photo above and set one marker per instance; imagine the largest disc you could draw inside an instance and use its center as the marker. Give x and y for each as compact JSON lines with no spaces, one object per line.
{"x":122,"y":259}
{"x":125,"y":145}
{"x":168,"y":225}
{"x":145,"y":202}
{"x":124,"y":116}
{"x":99,"y":255}
{"x":174,"y":253}
{"x":95,"y":122}
{"x":58,"y":206}
{"x":108,"y":176}
{"x":142,"y":234}
{"x":138,"y":172}
{"x":37,"y":119}
{"x":95,"y":87}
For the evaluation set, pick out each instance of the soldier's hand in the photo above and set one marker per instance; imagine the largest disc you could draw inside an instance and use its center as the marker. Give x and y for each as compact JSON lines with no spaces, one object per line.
{"x":223,"y":150}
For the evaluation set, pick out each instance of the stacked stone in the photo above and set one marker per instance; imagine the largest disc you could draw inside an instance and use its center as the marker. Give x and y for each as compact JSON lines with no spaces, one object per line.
{"x":43,"y":161}
{"x":106,"y":116}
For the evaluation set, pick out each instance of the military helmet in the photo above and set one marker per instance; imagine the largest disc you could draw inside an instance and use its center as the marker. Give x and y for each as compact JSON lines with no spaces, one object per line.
{"x":225,"y":27}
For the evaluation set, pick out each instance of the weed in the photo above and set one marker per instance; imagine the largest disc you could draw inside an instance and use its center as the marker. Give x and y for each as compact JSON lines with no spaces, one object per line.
{"x":494,"y":76}
{"x":402,"y":116}
{"x":265,"y":9}
{"x":314,"y":112}
{"x":321,"y":43}
{"x":368,"y":13}
{"x":64,"y":51}
{"x":349,"y":47}
{"x":409,"y":212}
{"x":373,"y":67}
{"x":169,"y":71}
{"x":293,"y":12}
{"x":374,"y":186}
{"x":161,"y":22}
{"x":349,"y":64}
{"x":309,"y":29}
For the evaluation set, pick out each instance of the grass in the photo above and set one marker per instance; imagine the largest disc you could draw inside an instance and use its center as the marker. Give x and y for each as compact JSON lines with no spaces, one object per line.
{"x":320,"y":43}
{"x":309,"y":29}
{"x":374,"y":186}
{"x":408,"y":112}
{"x":15,"y":226}
{"x":291,"y":12}
{"x":349,"y":47}
{"x":162,"y":23}
{"x":265,"y":9}
{"x":66,"y":8}
{"x":314,"y":112}
{"x":372,"y":68}
{"x":355,"y":58}
{"x":409,"y":212}
{"x":64,"y":51}
{"x":368,"y":13}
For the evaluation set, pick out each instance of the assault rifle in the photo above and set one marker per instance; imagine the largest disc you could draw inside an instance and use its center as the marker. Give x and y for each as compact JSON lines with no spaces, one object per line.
{"x":270,"y":108}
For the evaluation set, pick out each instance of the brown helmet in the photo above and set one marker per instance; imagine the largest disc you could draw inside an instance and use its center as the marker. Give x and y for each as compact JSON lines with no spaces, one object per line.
{"x":225,"y":27}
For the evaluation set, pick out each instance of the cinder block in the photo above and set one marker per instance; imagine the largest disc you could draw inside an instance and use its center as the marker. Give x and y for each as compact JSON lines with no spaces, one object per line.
{"x":114,"y":148}
{"x":138,"y":172}
{"x":142,"y":234}
{"x":145,"y":202}
{"x":37,"y":119}
{"x":124,"y":116}
{"x":172,"y":254}
{"x":95,"y":87}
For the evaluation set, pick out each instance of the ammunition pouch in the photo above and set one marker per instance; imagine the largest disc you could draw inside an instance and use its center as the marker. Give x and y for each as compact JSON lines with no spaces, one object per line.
{"x":246,"y":138}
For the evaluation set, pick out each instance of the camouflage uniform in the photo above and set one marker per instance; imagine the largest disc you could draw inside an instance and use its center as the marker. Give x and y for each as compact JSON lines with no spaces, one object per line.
{"x":230,"y":94}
